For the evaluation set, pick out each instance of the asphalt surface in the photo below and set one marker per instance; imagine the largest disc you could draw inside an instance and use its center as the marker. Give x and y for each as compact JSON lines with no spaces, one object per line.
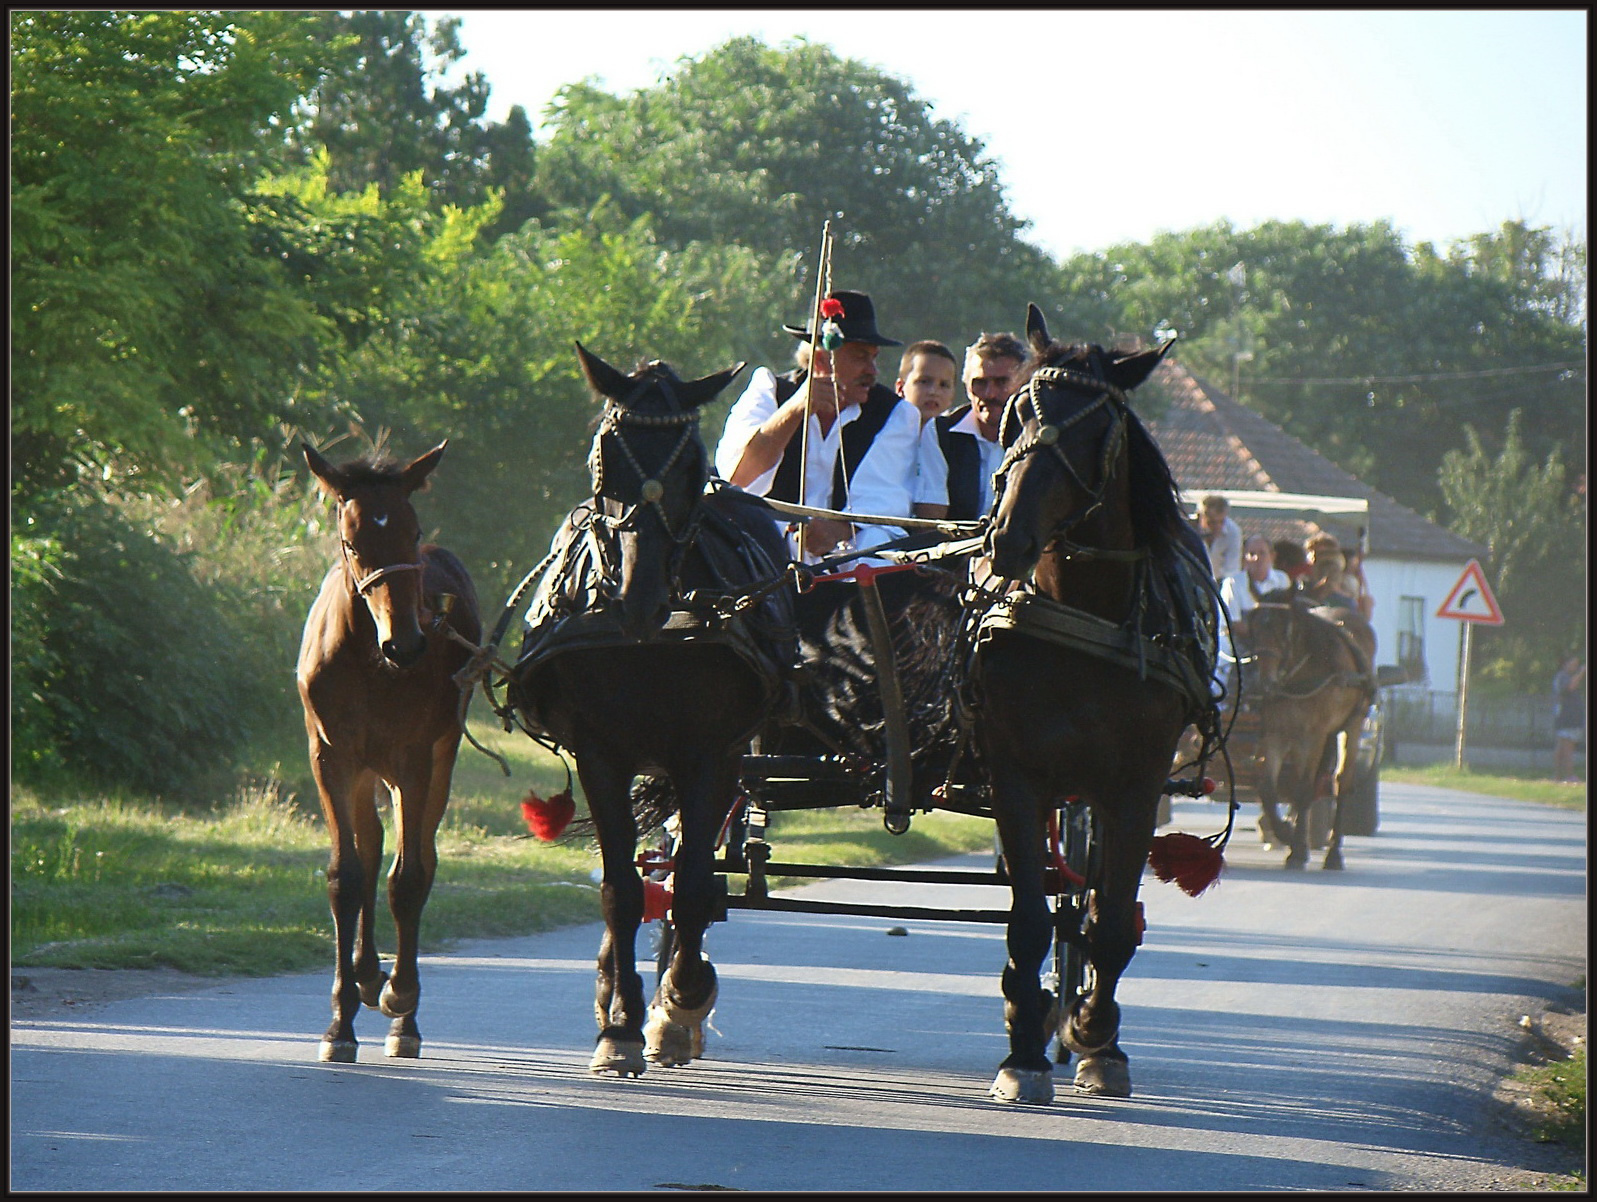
{"x":1287,"y":1031}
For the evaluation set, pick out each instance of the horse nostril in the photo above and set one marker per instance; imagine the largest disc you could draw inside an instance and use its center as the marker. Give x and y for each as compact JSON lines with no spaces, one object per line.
{"x":402,"y":654}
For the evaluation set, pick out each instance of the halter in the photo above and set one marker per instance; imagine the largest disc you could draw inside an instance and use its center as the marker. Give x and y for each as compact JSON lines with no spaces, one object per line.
{"x":364,"y":584}
{"x":1048,"y":436}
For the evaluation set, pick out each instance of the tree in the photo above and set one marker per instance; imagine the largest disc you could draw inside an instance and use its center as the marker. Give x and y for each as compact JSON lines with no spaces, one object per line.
{"x":383,"y":111}
{"x":162,"y":310}
{"x":1360,"y":346}
{"x":1532,"y":524}
{"x":758,"y":147}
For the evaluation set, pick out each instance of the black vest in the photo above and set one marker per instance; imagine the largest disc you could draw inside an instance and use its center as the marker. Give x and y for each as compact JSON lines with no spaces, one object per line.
{"x":962,"y":453}
{"x":856,"y":440}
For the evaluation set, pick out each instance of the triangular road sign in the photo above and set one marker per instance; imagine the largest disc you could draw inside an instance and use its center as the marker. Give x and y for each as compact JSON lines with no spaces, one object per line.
{"x":1471,"y":600}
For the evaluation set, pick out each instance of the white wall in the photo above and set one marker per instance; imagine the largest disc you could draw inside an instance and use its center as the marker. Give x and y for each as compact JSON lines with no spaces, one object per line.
{"x":1391,"y":579}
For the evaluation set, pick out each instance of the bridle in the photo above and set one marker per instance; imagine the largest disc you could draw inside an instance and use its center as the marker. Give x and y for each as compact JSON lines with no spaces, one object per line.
{"x":618,"y":416}
{"x":1277,"y":688}
{"x":1049,"y":437}
{"x":364,"y":584}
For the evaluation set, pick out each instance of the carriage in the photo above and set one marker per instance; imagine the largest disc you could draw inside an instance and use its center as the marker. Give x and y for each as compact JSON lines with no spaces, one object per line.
{"x":1279,"y":514}
{"x":702,"y":682}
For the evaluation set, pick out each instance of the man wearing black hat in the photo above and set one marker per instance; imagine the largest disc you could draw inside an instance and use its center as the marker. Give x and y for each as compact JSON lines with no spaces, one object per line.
{"x":858,"y":454}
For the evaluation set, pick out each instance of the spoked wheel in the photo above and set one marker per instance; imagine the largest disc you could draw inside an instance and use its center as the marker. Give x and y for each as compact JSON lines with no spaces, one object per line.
{"x":1076,"y":854}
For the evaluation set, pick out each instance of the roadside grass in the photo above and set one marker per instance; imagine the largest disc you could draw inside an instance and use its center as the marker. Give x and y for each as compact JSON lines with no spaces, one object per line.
{"x":240,"y":888}
{"x":1516,"y":788}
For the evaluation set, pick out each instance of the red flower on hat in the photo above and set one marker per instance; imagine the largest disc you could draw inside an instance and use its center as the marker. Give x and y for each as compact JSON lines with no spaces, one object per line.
{"x":831,"y":307}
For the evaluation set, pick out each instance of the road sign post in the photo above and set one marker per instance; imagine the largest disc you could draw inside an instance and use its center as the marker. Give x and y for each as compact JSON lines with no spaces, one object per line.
{"x":1469,"y":601}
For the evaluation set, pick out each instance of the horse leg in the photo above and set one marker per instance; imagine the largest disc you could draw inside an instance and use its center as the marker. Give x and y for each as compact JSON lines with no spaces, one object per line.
{"x":1346,"y":766}
{"x":1114,"y":930}
{"x":674,"y":1034}
{"x":618,"y":998}
{"x":423,"y":796}
{"x":1271,"y":829}
{"x":343,"y":792}
{"x":1298,"y":785}
{"x":1026,"y":1074}
{"x":368,"y":831}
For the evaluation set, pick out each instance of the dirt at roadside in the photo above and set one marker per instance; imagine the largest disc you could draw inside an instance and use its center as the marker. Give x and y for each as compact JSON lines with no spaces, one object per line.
{"x":54,"y":992}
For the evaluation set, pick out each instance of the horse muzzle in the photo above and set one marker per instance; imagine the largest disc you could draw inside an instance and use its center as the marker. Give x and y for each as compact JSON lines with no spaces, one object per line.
{"x":1013,"y":553}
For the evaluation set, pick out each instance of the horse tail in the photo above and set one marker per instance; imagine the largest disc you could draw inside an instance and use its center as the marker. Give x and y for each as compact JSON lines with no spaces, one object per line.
{"x":654,"y":800}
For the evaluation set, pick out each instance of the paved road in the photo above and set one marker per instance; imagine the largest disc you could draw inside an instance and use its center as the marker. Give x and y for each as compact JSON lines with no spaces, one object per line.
{"x":1307,"y":1031}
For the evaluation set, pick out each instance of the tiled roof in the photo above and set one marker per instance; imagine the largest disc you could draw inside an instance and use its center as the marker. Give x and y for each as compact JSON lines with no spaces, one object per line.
{"x":1212,"y":442}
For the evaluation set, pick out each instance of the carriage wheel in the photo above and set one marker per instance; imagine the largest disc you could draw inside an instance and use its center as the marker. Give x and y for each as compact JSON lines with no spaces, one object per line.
{"x":1072,"y":970}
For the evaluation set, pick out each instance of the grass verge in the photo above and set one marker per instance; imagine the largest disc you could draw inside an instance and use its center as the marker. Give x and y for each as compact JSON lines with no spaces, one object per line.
{"x":240,"y":888}
{"x":1516,"y":788}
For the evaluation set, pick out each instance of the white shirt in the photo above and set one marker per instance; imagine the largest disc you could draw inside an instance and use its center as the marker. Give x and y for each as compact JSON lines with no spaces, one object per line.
{"x":1238,"y":597}
{"x":1225,"y":552}
{"x":882,"y":480}
{"x":931,"y":468}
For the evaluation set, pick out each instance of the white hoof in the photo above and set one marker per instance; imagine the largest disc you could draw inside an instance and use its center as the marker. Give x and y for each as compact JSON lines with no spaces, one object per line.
{"x":620,"y":1056}
{"x":405,"y":1046}
{"x":1026,"y":1086}
{"x":337,"y":1052}
{"x":1103,"y":1077}
{"x":670,"y":1044}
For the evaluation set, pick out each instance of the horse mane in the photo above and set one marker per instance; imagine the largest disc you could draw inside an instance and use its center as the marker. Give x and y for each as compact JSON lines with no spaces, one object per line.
{"x":1156,"y":516}
{"x":374,"y":468}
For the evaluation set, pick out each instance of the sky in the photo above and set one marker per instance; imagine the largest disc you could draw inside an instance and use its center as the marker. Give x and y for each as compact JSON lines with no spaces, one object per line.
{"x":1445,"y":123}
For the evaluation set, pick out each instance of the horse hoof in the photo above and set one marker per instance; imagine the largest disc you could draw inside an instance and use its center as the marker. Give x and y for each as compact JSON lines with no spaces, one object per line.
{"x":1030,"y":1087}
{"x":393,"y":1005}
{"x":624,"y":1057}
{"x":1296,"y":862}
{"x":406,"y":1046}
{"x":337,"y":1051}
{"x":669,"y":1044}
{"x":1333,"y":861}
{"x":1103,"y":1077}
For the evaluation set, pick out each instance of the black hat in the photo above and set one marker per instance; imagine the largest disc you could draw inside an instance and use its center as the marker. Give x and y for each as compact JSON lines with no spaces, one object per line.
{"x":857,"y":321}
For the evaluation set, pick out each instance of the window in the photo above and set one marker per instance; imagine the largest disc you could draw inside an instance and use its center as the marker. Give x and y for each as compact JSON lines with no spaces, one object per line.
{"x":1411,"y":636}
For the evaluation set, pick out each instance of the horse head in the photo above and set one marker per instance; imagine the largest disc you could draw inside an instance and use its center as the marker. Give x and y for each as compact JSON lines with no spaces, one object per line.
{"x":649,"y":467}
{"x":1274,"y":644}
{"x":1065,"y":440}
{"x":380,"y":543}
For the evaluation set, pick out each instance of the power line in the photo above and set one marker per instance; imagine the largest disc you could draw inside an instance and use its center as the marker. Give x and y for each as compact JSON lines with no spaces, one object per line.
{"x":1418,"y":379}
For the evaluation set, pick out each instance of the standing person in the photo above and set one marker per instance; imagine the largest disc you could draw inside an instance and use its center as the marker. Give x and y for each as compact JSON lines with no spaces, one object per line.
{"x":855,"y":450}
{"x":959,"y":451}
{"x":926,"y":375}
{"x":1569,"y":717}
{"x":1221,"y":535}
{"x":1355,"y":585}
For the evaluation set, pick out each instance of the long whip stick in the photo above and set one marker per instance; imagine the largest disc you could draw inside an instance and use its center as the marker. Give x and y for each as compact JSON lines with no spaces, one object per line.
{"x":823,"y":285}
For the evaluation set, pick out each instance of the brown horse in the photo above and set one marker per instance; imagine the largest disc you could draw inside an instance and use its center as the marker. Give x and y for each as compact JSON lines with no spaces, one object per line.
{"x":1083,"y":680}
{"x":1312,"y":676}
{"x":376,"y":668}
{"x":631,"y":666}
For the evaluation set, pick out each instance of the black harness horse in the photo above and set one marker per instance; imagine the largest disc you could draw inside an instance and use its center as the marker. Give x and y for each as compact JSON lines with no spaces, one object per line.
{"x":645,"y":659}
{"x":1084,"y":677}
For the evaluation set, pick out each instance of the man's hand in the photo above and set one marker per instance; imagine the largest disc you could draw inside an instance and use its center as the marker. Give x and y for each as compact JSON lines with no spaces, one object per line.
{"x":822,"y":535}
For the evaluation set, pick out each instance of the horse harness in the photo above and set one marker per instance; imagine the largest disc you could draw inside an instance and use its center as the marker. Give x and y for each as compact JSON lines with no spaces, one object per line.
{"x":1361,"y":678}
{"x":1182,"y":659}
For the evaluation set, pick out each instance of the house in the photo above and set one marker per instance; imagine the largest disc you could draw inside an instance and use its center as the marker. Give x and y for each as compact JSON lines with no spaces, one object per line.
{"x":1213,"y":443}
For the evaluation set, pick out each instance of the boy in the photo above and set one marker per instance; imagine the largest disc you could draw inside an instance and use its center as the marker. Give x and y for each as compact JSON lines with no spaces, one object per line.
{"x":926,"y":376}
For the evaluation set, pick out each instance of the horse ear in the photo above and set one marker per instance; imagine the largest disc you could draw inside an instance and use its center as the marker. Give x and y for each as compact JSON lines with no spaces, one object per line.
{"x":1125,"y":374}
{"x":418,"y":469}
{"x":332,"y":480}
{"x":696,"y":392}
{"x":1036,"y":329}
{"x":605,"y":380}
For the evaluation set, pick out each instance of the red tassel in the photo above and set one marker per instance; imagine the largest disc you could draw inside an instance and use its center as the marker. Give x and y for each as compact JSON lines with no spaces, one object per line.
{"x":547,"y":818}
{"x":1194,"y":864}
{"x":656,"y":901}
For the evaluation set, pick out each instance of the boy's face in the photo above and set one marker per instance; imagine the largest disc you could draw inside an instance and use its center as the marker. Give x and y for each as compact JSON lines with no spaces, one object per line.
{"x":929,"y":385}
